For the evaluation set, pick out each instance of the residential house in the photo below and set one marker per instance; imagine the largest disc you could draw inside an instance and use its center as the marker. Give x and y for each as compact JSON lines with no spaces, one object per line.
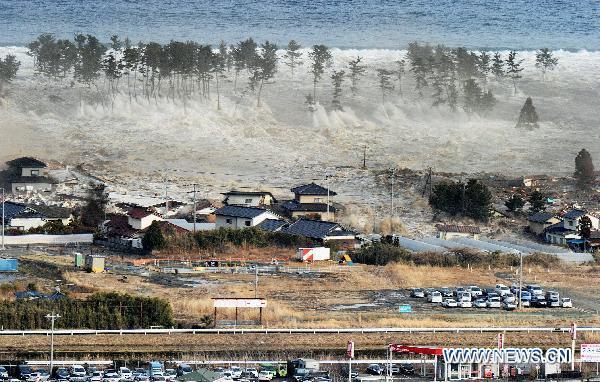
{"x":249,"y":198}
{"x":242,"y":217}
{"x":140,"y":218}
{"x":539,"y":221}
{"x":29,"y":175}
{"x":322,"y":231}
{"x":25,"y":217}
{"x":311,"y":201}
{"x":189,"y":226}
{"x":54,"y":213}
{"x":451,"y":231}
{"x":571,"y":219}
{"x":272,"y":225}
{"x":559,"y":234}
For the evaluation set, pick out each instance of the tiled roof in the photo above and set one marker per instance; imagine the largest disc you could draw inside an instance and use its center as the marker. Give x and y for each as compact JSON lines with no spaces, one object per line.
{"x":236,"y":192}
{"x":558,"y":228}
{"x":312,"y":189}
{"x":139,"y":213}
{"x":271,"y":225}
{"x":314,"y":229}
{"x":540,"y":217}
{"x":12,"y":209}
{"x":28,"y":162}
{"x":292,"y":205}
{"x":458,"y":228}
{"x":52,"y":212}
{"x":240,"y":212}
{"x":574,"y":214}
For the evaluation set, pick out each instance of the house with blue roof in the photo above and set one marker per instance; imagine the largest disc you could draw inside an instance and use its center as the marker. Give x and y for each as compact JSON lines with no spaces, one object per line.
{"x":242,"y":217}
{"x":322,"y":231}
{"x":311,"y":201}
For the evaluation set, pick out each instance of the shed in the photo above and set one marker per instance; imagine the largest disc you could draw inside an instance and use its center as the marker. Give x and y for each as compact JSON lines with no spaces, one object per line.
{"x":94,"y":263}
{"x":78,"y":259}
{"x":9,"y":265}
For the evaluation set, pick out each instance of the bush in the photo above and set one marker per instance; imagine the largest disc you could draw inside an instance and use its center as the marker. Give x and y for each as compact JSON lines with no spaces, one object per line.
{"x":255,"y":237}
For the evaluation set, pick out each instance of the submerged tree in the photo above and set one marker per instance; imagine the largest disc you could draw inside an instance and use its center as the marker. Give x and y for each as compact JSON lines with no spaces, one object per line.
{"x":545,"y":61}
{"x":356,"y":72}
{"x":515,"y":203}
{"x":497,"y":67}
{"x":9,"y":66}
{"x":337,"y":78}
{"x":264,"y":67}
{"x":321,"y":58}
{"x":484,"y":67}
{"x":528,"y":117}
{"x":400,"y":71}
{"x":537,"y":202}
{"x":514,"y":68}
{"x":385,"y":83}
{"x":292,"y":56}
{"x":584,"y":169}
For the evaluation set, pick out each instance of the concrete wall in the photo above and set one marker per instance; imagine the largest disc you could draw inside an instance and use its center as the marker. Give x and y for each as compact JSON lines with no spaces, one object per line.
{"x":48,"y":239}
{"x":25,"y":224}
{"x":31,"y":171}
{"x":143,"y":222}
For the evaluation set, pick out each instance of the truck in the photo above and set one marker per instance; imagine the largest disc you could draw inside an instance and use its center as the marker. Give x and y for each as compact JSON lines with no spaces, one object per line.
{"x":313,"y":254}
{"x":155,"y":368}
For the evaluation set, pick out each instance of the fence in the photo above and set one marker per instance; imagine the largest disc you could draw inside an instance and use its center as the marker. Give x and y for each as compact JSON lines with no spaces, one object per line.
{"x":86,"y":238}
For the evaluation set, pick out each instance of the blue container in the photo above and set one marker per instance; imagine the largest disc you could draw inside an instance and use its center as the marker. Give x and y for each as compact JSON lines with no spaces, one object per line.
{"x":9,"y":265}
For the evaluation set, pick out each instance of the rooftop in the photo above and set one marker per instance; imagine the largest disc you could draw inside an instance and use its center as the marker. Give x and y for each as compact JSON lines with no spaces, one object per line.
{"x":271,"y":225}
{"x":458,"y":228}
{"x":311,"y":189}
{"x":574,"y":214}
{"x":27,"y":162}
{"x":293,"y":205}
{"x":540,"y":217}
{"x":139,"y":213}
{"x":315,"y":229}
{"x":240,"y":212}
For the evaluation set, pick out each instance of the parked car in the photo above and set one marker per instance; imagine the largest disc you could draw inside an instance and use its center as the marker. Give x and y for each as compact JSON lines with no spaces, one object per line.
{"x":459,"y":290}
{"x":125,"y":373}
{"x":251,"y":372}
{"x":428,"y":291}
{"x":480,"y":303}
{"x":509,"y":297}
{"x":77,"y":371}
{"x":566,"y":302}
{"x":158,"y":378}
{"x":417,"y":293}
{"x":553,"y":302}
{"x":526,"y":303}
{"x":465,"y":303}
{"x":538,"y":301}
{"x":43,"y":375}
{"x":535,"y":289}
{"x":475,"y":291}
{"x":265,"y":375}
{"x":111,"y":375}
{"x":24,"y":371}
{"x":374,"y":369}
{"x":446,"y":292}
{"x":525,"y":295}
{"x":464,"y":296}
{"x":183,"y":369}
{"x":450,"y":303}
{"x":488,"y":291}
{"x":493,"y":302}
{"x":406,"y":368}
{"x":552,"y":294}
{"x":3,"y":372}
{"x":393,"y":369}
{"x":509,"y":305}
{"x":502,"y":289}
{"x":96,"y":376}
{"x":61,"y":373}
{"x":435,"y":297}
{"x":142,"y":378}
{"x":171,"y":374}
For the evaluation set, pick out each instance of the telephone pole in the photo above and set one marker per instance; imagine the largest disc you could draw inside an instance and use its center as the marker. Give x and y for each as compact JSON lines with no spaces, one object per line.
{"x":393,"y":179}
{"x":327,"y":184}
{"x":52,"y":317}
{"x":194,"y":207}
{"x":3,"y":198}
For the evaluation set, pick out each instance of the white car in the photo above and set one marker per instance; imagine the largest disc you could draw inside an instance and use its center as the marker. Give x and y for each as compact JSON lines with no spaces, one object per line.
{"x":494,"y":302}
{"x":435,"y":297}
{"x":475,"y":291}
{"x":170,"y":374}
{"x":251,"y":372}
{"x":566,"y":302}
{"x":509,"y":297}
{"x":77,"y":371}
{"x":480,"y":303}
{"x":96,"y":376}
{"x":125,"y":373}
{"x":509,"y":305}
{"x":3,"y":372}
{"x":236,"y":372}
{"x":450,"y":303}
{"x":265,"y":375}
{"x":502,"y":289}
{"x":465,"y":304}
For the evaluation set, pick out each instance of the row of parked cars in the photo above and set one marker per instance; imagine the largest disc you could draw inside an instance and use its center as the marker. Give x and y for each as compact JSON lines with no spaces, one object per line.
{"x":500,"y":296}
{"x":78,"y":373}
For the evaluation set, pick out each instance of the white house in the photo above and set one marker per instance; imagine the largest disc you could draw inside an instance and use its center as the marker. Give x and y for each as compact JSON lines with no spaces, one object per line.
{"x":249,"y":198}
{"x":139,"y":218}
{"x":451,"y":231}
{"x":571,"y":219}
{"x":242,"y":217}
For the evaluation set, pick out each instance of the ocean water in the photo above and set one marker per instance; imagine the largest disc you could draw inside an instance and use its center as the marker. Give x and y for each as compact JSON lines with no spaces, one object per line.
{"x":507,"y":24}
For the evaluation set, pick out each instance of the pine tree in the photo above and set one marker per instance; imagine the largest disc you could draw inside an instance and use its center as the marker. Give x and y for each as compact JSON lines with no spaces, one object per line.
{"x":265,"y":66}
{"x":356,"y":72}
{"x":8,"y":69}
{"x":484,"y":67}
{"x":585,"y":229}
{"x":400,"y":74}
{"x":497,"y":68}
{"x":385,"y":82}
{"x":292,"y":56}
{"x":321,"y":58}
{"x":537,"y":202}
{"x":545,"y":61}
{"x":472,"y":96}
{"x":337,"y":78}
{"x":514,"y":68}
{"x":154,"y":238}
{"x":515,"y":203}
{"x":528,"y":117}
{"x":584,"y":169}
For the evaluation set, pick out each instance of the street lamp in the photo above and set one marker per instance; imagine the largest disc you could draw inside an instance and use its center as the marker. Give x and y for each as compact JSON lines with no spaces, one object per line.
{"x":52,"y":317}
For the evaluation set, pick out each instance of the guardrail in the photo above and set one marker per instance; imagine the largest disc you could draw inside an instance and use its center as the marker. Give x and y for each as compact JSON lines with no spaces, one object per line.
{"x":73,"y":332}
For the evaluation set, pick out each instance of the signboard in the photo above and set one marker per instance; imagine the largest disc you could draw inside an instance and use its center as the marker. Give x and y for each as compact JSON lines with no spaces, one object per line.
{"x":500,"y":340}
{"x":239,"y":303}
{"x":405,"y":309}
{"x":350,"y":349}
{"x":507,"y":355}
{"x":590,"y":352}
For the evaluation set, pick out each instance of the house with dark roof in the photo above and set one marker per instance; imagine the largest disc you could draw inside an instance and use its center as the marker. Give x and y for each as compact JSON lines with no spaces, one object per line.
{"x":242,"y":217}
{"x":322,"y":231}
{"x":29,"y":175}
{"x":451,"y":231}
{"x":539,"y":221}
{"x":141,"y":218}
{"x":311,"y":201}
{"x":272,"y":225}
{"x":248,"y":198}
{"x":25,"y":217}
{"x":28,"y":166}
{"x":560,"y":235}
{"x":572,"y":217}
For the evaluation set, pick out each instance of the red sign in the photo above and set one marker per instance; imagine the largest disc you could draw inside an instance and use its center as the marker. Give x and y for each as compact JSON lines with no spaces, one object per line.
{"x":415,"y":349}
{"x":350,"y":349}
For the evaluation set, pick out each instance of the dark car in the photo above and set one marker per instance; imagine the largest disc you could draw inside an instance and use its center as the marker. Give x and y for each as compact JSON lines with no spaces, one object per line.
{"x":374,"y":369}
{"x":62,"y":373}
{"x":446,"y":292}
{"x":23,"y":371}
{"x":539,"y":302}
{"x":406,"y":368}
{"x":488,"y":291}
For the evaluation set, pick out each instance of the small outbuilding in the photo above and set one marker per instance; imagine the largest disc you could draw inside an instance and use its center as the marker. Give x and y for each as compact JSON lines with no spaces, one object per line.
{"x":95,"y":263}
{"x":451,"y":231}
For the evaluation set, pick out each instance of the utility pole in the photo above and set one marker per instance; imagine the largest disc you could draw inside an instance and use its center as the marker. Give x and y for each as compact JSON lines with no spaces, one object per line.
{"x":365,"y":158}
{"x":327,"y":185}
{"x":3,"y":198}
{"x":166,"y":199}
{"x":256,"y":280}
{"x":52,"y":317}
{"x":520,"y":279}
{"x":393,"y":175}
{"x":194,"y":207}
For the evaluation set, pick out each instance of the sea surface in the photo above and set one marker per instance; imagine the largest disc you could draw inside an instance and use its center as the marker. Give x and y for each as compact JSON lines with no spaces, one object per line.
{"x":490,"y":24}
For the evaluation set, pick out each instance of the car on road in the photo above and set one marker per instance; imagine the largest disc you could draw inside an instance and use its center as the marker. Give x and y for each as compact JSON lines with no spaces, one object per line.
{"x":450,"y":303}
{"x":566,"y":302}
{"x":265,"y":375}
{"x":375,"y":369}
{"x":435,"y":297}
{"x":417,"y":293}
{"x":493,"y":302}
{"x":480,"y":303}
{"x":509,"y":305}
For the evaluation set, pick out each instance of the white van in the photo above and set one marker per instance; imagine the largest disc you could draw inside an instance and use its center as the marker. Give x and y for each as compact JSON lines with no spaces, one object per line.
{"x":464,"y":296}
{"x":435,"y":297}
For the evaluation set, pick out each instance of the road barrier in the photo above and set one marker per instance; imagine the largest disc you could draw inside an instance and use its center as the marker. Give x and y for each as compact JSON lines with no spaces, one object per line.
{"x":73,"y":332}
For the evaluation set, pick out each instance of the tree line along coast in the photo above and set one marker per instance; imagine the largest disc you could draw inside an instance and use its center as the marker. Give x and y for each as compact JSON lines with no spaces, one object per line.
{"x":456,"y":78}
